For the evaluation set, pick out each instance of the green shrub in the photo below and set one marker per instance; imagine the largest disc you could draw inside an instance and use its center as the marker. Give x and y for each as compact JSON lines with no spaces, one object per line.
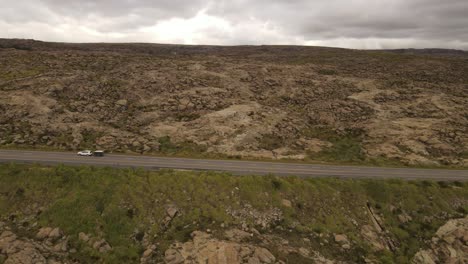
{"x":327,"y":72}
{"x":344,"y":149}
{"x":168,"y":147}
{"x":271,"y":142}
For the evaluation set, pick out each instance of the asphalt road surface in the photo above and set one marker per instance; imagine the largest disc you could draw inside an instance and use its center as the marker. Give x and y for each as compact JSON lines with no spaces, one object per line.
{"x":234,"y":166}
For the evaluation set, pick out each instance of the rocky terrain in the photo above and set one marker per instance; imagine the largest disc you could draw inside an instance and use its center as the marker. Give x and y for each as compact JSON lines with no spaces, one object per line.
{"x":102,"y":215}
{"x":449,"y":245}
{"x":51,"y":246}
{"x":273,"y":102}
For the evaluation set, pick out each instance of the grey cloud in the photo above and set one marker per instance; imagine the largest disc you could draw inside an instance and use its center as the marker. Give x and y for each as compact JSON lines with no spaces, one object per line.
{"x":124,"y":14}
{"x":112,"y":8}
{"x":357,"y":19}
{"x":414,"y":22}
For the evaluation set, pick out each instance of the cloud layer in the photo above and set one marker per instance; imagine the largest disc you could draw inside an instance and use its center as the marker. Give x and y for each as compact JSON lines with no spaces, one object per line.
{"x":342,"y":23}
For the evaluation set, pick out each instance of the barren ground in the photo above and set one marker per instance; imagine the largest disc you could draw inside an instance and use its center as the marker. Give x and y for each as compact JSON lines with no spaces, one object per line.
{"x":273,"y":102}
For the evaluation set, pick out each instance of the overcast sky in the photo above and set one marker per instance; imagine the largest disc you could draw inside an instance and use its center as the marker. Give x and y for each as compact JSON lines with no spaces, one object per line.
{"x":340,"y":23}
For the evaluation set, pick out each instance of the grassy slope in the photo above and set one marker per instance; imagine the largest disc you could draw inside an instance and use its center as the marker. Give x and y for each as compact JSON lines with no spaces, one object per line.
{"x":117,"y":203}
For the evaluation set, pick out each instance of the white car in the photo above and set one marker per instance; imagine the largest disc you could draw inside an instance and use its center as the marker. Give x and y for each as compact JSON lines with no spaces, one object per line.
{"x":85,"y":153}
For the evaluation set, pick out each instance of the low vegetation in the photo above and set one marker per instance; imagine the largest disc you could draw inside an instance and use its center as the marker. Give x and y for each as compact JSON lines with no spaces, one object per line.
{"x":345,"y":147}
{"x":124,"y":205}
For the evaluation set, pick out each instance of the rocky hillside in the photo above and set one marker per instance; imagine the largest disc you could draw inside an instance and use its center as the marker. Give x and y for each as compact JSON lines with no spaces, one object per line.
{"x":102,"y":215}
{"x":306,"y":103}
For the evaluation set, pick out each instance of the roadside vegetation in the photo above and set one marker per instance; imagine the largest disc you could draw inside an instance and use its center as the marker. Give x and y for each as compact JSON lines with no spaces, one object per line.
{"x":124,"y":205}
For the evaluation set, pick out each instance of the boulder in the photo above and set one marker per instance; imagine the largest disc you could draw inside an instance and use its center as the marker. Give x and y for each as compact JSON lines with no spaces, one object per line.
{"x":172,"y":256}
{"x":61,"y":246}
{"x":172,"y":211}
{"x":146,"y":148}
{"x":404,"y":218}
{"x":286,"y":203}
{"x":373,"y":238}
{"x":6,"y":238}
{"x":83,"y":237}
{"x":147,"y":253}
{"x":423,"y":257}
{"x":237,"y":235}
{"x":205,"y":249}
{"x":121,"y":102}
{"x":264,"y":255}
{"x":105,"y":248}
{"x":304,"y":252}
{"x":341,"y":239}
{"x":55,"y":233}
{"x":102,"y":246}
{"x":43,"y":233}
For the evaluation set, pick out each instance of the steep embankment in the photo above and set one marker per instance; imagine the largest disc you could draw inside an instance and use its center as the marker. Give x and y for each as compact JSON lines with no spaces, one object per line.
{"x":268,"y":101}
{"x":103,"y":215}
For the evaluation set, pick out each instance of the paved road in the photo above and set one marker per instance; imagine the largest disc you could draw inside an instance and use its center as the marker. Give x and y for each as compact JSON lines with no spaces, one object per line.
{"x":236,"y":167}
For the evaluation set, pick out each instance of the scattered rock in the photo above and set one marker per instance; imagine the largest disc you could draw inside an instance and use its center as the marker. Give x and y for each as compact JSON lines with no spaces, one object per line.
{"x":61,"y":246}
{"x":404,"y":218}
{"x":55,"y":233}
{"x":28,"y":254}
{"x":424,"y":257}
{"x":263,"y":219}
{"x":304,"y":252}
{"x":147,"y":254}
{"x":205,"y":249}
{"x":341,"y":239}
{"x":83,"y":237}
{"x":172,"y":256}
{"x":371,"y":236}
{"x":122,"y":102}
{"x":286,"y":203}
{"x":5,"y":239}
{"x":102,"y":246}
{"x":264,"y":255}
{"x":237,"y":235}
{"x":44,"y":233}
{"x":24,"y":250}
{"x":172,"y":211}
{"x":105,"y":248}
{"x":449,"y":245}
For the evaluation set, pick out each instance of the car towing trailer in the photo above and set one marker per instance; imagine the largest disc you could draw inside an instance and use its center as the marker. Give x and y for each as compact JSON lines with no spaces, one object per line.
{"x":99,"y":153}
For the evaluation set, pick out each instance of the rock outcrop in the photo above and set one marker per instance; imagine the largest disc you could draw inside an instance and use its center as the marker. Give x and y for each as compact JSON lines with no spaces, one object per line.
{"x":205,"y":249}
{"x":449,"y":245}
{"x":99,"y":244}
{"x":21,"y":250}
{"x":281,"y":103}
